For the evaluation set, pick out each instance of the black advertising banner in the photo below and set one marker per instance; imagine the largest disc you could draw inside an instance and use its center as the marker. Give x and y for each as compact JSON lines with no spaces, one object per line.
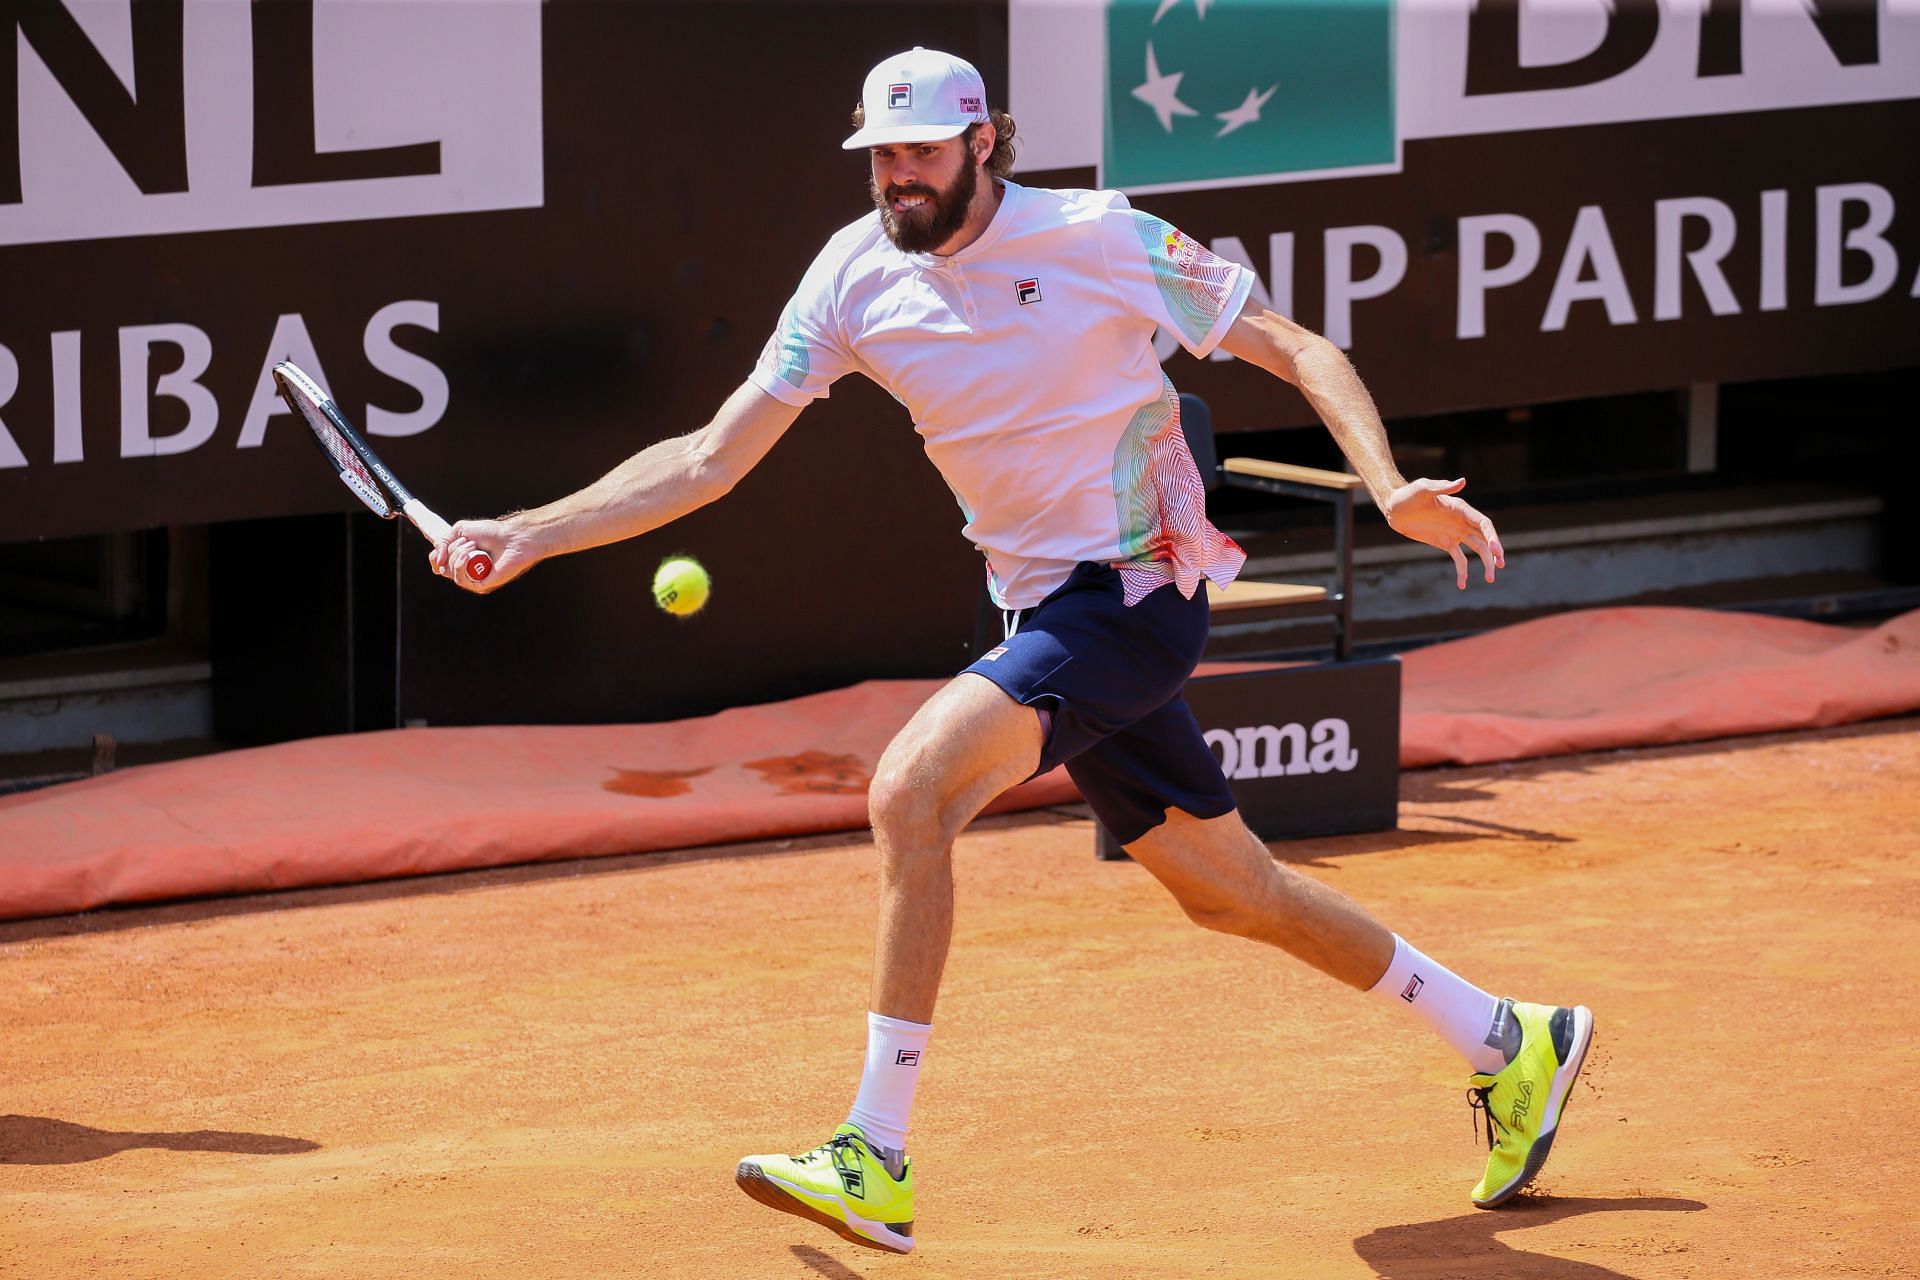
{"x":626,"y":196}
{"x":518,"y":241}
{"x":1507,"y":202}
{"x":191,"y":192}
{"x":1309,"y":750}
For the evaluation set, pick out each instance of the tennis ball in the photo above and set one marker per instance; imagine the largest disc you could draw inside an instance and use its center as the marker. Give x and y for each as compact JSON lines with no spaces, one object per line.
{"x":680,"y":586}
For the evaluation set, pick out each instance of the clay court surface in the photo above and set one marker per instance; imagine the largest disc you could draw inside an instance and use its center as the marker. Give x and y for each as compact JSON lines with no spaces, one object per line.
{"x":551,"y":1071}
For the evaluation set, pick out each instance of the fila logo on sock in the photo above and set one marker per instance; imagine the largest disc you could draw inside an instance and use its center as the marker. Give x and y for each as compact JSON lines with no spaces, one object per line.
{"x":907,"y":1058}
{"x":1027,"y":290}
{"x":1413,"y":988}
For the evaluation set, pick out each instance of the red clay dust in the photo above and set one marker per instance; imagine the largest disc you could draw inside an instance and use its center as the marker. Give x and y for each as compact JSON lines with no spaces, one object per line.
{"x":550,"y":1071}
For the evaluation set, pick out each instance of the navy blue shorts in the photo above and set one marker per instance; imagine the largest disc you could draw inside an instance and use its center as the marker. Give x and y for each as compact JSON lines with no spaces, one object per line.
{"x":1110,"y":676}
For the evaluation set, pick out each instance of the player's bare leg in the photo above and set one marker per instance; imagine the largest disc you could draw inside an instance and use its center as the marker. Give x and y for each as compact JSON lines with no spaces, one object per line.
{"x":965,"y":745}
{"x":1525,"y":1057}
{"x":1224,"y":879}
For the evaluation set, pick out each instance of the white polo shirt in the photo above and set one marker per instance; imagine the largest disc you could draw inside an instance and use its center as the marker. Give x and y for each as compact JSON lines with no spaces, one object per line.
{"x":1026,"y":360}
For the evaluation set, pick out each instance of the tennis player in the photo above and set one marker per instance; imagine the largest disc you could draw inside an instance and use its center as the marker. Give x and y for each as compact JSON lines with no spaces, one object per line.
{"x":1016,"y":326}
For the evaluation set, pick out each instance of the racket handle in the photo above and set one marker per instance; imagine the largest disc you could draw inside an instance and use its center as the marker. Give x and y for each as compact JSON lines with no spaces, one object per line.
{"x":477,"y":565}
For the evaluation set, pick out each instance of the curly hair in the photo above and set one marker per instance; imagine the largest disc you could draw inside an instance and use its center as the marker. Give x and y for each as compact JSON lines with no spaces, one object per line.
{"x":999,"y":164}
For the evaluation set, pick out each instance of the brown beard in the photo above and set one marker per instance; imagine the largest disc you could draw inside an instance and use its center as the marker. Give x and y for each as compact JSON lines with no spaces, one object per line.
{"x":936,"y":222}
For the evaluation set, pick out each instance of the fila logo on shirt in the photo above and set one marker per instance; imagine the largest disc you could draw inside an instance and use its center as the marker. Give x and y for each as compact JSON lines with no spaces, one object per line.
{"x":899,"y":96}
{"x":1027,"y":290}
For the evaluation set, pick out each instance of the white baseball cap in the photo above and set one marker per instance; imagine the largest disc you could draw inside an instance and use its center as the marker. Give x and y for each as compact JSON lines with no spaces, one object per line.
{"x":922,"y":95}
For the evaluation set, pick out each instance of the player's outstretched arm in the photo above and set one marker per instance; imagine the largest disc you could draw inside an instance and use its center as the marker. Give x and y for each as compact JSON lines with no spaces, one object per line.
{"x":1424,"y":510}
{"x":659,"y":484}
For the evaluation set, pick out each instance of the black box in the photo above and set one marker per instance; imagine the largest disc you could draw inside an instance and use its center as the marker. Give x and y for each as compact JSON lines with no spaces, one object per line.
{"x":1309,"y":751}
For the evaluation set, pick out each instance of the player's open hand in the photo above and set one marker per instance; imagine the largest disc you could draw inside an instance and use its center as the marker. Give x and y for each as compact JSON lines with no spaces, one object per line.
{"x":510,"y":547}
{"x":1426,"y":511}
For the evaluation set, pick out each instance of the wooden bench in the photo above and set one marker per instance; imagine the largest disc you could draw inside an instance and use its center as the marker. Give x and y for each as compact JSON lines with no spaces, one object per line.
{"x":1253,"y":600}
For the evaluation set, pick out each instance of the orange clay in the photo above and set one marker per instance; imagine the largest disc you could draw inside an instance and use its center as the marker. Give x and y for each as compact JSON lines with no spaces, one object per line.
{"x":550,"y":1071}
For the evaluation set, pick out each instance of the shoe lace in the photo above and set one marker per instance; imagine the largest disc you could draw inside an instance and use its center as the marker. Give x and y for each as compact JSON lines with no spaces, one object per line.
{"x":1481,"y":1100}
{"x":840,"y":1150}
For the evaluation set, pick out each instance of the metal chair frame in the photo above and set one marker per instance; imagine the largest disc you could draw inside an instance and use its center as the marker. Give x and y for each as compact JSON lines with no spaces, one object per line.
{"x":1283,"y":480}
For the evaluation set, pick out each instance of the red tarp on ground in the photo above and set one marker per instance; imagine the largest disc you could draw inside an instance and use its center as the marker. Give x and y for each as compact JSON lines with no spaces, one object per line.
{"x":1604,"y":678}
{"x":376,"y":805}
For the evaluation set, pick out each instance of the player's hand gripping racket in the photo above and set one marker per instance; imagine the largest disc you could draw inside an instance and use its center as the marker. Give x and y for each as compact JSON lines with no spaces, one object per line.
{"x":360,"y":468}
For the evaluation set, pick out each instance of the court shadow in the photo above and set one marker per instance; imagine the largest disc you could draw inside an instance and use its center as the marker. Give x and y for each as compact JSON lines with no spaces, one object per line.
{"x":1529,"y":834}
{"x":43,"y":1140}
{"x":1464,"y":1247}
{"x":824,"y":1263}
{"x":1314,"y":851}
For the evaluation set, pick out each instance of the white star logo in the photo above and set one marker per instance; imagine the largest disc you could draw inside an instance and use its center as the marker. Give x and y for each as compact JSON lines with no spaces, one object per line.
{"x":1200,"y":7}
{"x":1162,"y":93}
{"x":1244,"y":114}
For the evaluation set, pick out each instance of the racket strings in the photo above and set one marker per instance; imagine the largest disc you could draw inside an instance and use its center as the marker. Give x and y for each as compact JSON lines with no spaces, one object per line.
{"x":348,"y":462}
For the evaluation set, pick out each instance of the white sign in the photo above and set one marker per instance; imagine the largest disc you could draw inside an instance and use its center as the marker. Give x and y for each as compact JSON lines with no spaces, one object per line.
{"x":439,"y":102}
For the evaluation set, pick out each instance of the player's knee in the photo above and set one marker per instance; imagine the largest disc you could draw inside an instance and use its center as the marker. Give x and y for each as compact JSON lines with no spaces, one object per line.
{"x":909,"y":813}
{"x":1219,"y":914}
{"x":1223,"y":905}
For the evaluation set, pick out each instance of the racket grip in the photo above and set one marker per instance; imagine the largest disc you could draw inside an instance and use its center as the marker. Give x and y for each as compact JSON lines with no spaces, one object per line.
{"x":477,"y":565}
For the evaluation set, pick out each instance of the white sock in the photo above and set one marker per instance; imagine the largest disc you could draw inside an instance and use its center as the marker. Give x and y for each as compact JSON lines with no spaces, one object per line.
{"x":1463,"y":1015}
{"x":894,"y":1048}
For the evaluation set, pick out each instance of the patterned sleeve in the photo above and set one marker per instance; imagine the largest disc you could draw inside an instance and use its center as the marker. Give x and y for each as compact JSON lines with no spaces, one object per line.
{"x":808,"y":352}
{"x":1170,"y":278}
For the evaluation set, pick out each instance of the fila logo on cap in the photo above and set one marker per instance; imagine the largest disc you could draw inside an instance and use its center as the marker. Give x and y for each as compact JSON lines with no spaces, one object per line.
{"x":1027,"y":290}
{"x":919,"y":96}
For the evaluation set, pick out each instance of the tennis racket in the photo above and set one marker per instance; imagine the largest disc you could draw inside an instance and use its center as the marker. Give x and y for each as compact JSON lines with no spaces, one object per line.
{"x":360,"y":468}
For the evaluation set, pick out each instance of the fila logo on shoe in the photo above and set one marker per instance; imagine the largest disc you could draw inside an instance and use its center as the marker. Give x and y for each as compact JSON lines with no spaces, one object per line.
{"x":1521,"y":1104}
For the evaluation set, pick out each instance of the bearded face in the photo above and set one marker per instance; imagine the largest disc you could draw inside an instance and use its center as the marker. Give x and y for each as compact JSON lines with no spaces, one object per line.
{"x":919,"y":217}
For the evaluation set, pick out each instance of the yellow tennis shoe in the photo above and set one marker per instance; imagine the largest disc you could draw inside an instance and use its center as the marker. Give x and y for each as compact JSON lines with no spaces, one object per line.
{"x":844,"y":1185}
{"x":1524,"y":1099}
